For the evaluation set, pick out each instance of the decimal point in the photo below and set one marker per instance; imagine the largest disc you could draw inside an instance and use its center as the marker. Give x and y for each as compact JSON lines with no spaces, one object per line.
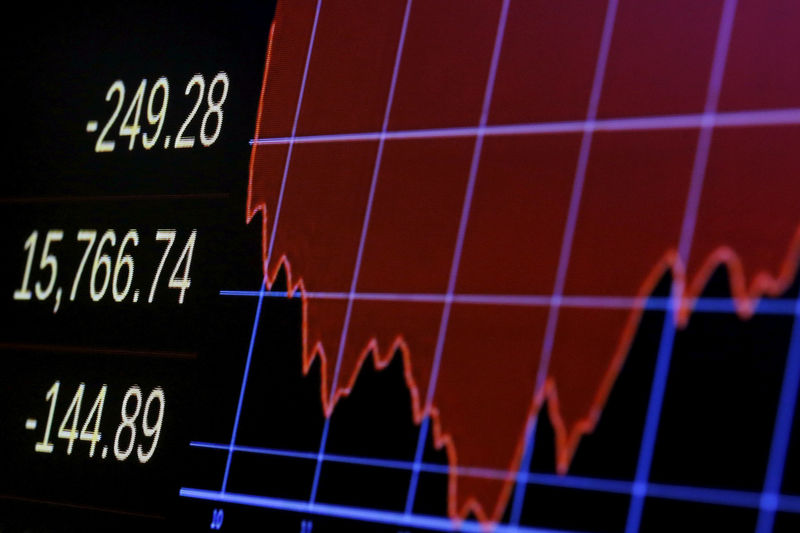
{"x":166,"y":141}
{"x":91,"y":126}
{"x":136,"y":296}
{"x":104,"y":452}
{"x":30,"y":424}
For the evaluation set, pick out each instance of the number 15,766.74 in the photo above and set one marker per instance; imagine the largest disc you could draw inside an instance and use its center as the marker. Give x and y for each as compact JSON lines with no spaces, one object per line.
{"x":104,"y":268}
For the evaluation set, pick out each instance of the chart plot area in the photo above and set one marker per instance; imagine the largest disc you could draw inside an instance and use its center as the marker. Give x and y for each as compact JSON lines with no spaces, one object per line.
{"x":504,"y":243}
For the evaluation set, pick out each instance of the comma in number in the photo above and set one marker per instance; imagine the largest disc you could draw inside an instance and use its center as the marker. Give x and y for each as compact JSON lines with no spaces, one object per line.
{"x":58,"y":300}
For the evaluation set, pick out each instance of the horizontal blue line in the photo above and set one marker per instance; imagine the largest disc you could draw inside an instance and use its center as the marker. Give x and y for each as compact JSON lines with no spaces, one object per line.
{"x":705,"y":495}
{"x":772,"y":117}
{"x":734,"y":498}
{"x":353,"y":513}
{"x":765,"y":306}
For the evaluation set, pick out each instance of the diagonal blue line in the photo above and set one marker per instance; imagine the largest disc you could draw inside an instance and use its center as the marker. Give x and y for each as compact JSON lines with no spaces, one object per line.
{"x":782,"y":431}
{"x":266,"y":264}
{"x":688,"y":227}
{"x":454,"y":265}
{"x":242,"y":390}
{"x":361,"y":242}
{"x":566,"y":245}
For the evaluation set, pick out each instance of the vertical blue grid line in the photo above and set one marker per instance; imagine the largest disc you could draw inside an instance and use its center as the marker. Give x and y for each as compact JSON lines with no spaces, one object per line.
{"x":266,"y":263}
{"x":522,"y":473}
{"x":462,"y":230}
{"x":652,"y":418}
{"x":294,"y":132}
{"x":370,"y":199}
{"x":782,"y":432}
{"x":357,"y":269}
{"x":707,"y":129}
{"x":664,"y":357}
{"x":566,"y":248}
{"x":318,"y":467}
{"x":416,"y":466}
{"x":236,"y":419}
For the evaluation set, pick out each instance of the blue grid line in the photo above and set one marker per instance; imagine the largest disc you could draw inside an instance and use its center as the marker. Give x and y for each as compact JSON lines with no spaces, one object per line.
{"x":566,"y":248}
{"x":782,"y":432}
{"x":727,"y":119}
{"x":462,"y":230}
{"x":710,"y":495}
{"x":292,"y":139}
{"x":319,"y":458}
{"x":664,"y":357}
{"x":652,"y":419}
{"x":360,"y":253}
{"x":236,"y":419}
{"x":710,"y":304}
{"x":269,"y":252}
{"x":356,"y":513}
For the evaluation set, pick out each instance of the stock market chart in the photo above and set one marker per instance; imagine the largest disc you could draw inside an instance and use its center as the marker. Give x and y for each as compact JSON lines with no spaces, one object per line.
{"x":409,"y":265}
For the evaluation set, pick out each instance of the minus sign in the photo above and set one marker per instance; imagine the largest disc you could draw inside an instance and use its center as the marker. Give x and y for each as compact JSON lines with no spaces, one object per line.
{"x":30,"y":423}
{"x":91,"y":126}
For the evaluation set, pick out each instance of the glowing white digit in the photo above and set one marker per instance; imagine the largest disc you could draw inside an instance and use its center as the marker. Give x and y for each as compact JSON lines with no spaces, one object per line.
{"x":185,"y":259}
{"x":45,"y":446}
{"x":180,"y":140}
{"x":157,"y":118}
{"x":88,"y":235}
{"x":24,"y":293}
{"x":126,"y":261}
{"x":74,"y":410}
{"x":101,"y":260}
{"x":108,"y":146}
{"x":133,"y":130}
{"x":128,"y":422}
{"x":214,"y":108}
{"x":162,"y":235}
{"x":96,"y":413}
{"x":48,"y":261}
{"x":155,"y":430}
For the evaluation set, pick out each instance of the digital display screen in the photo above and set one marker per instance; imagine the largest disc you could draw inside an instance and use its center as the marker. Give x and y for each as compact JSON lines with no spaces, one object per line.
{"x":408,"y":265}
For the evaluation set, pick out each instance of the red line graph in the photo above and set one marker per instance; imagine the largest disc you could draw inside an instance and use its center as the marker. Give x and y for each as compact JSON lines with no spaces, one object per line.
{"x":630,"y":215}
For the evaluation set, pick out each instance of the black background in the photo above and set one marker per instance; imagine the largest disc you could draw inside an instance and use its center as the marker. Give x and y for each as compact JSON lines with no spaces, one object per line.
{"x":719,"y":406}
